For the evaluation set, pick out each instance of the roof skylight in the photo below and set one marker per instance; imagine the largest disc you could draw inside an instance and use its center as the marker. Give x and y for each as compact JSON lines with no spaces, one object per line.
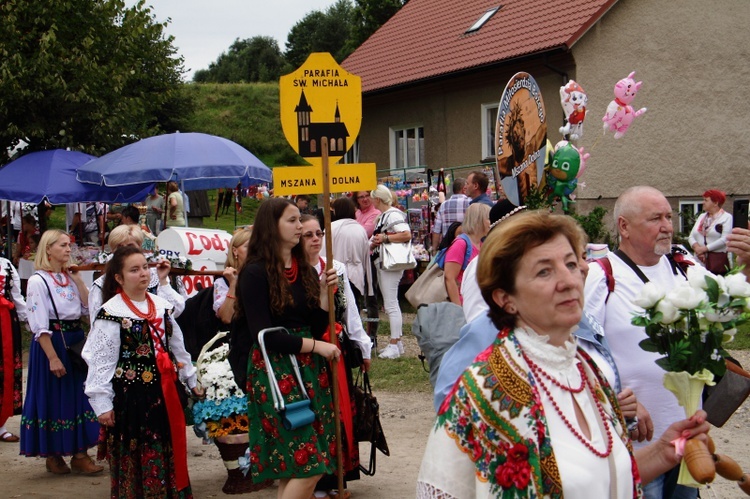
{"x":483,"y":19}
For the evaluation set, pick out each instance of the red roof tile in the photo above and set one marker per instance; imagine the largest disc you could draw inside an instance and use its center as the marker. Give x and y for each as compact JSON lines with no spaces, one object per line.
{"x":426,"y":38}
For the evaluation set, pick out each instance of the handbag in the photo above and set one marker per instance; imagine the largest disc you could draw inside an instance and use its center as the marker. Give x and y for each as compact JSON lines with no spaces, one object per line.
{"x":428,"y":288}
{"x":728,"y":395}
{"x":75,"y":350}
{"x":717,"y":262}
{"x":396,"y":256}
{"x":367,"y":427}
{"x":292,"y":415}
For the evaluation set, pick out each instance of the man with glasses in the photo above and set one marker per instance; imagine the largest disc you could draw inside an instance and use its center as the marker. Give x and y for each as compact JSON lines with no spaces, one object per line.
{"x":451,"y":211}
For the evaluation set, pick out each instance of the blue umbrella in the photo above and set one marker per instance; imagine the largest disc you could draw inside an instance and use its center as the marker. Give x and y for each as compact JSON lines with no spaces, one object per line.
{"x":198,"y":160}
{"x":52,"y":175}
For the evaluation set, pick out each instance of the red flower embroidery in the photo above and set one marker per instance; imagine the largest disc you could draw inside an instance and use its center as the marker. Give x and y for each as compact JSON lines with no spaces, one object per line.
{"x":323,"y":380}
{"x":285,"y":386}
{"x":143,"y":350}
{"x":266,"y":424}
{"x":301,"y":457}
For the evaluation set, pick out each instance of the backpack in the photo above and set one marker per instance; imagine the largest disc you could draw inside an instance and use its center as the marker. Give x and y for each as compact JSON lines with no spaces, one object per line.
{"x":676,"y":258}
{"x":199,"y":322}
{"x":440,"y":256}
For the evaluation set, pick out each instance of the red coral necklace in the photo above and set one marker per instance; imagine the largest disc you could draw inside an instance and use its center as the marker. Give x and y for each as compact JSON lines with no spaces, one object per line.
{"x":584,"y":382}
{"x":149,"y":316}
{"x":291,"y":273}
{"x":64,"y":276}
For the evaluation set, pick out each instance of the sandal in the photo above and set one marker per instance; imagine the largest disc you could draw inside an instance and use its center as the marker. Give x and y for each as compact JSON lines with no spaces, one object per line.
{"x":8,"y":438}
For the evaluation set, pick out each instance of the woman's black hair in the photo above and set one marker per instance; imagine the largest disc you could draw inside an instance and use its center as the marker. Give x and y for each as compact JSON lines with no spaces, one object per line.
{"x":450,"y":235}
{"x":343,"y":207}
{"x":110,"y":286}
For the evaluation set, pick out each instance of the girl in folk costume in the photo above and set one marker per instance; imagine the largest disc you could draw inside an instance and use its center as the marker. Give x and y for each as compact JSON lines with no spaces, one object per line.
{"x":12,"y":308}
{"x":57,"y":419}
{"x":347,"y":316}
{"x":134,"y":351}
{"x":278,"y":288}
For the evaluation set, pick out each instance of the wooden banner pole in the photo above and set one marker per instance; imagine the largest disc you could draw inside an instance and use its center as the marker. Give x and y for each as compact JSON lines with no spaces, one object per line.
{"x":332,"y":313}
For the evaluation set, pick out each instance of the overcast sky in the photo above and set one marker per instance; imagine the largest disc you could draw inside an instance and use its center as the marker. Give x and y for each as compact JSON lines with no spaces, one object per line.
{"x":203,"y":29}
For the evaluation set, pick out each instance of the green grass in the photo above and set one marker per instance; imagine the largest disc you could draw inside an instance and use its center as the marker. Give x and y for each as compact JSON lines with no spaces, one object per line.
{"x":741,"y":339}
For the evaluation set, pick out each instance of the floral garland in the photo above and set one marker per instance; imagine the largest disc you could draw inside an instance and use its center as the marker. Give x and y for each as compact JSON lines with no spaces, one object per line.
{"x":224,"y":410}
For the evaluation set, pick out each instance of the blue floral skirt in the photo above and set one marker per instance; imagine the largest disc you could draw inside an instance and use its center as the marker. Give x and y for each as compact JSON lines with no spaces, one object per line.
{"x":57,"y":419}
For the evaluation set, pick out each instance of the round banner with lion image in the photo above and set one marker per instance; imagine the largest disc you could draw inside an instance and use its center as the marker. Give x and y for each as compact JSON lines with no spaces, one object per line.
{"x":520,"y":137}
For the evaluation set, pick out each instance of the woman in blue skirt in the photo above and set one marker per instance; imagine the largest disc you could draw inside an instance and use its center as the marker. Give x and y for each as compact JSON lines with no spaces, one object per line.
{"x":57,"y":419}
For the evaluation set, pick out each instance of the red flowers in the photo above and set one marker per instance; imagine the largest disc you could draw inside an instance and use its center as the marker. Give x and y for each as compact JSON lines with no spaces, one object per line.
{"x":515,"y":472}
{"x":301,"y":457}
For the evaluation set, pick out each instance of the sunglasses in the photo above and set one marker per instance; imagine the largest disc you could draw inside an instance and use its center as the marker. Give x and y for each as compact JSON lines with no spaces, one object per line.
{"x":317,"y":233}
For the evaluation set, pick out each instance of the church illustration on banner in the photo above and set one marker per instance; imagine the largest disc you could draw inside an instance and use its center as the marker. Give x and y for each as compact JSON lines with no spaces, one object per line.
{"x":309,"y":134}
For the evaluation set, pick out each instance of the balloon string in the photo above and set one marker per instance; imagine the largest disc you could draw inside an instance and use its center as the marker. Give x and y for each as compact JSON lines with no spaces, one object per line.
{"x":596,"y":141}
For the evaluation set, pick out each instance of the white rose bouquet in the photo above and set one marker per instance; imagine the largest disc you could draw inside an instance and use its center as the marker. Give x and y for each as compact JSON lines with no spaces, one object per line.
{"x":689,"y":326}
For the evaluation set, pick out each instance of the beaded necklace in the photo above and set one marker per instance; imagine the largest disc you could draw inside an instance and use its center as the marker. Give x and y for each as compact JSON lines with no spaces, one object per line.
{"x":584,"y":381}
{"x":291,"y":273}
{"x":58,"y":283}
{"x":148,"y":316}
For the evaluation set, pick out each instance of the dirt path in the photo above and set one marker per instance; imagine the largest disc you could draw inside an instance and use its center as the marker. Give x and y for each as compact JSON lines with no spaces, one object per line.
{"x":407,"y":419}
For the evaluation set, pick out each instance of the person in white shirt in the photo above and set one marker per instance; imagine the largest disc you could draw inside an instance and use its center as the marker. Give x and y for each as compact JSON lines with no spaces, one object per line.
{"x":644,"y":222}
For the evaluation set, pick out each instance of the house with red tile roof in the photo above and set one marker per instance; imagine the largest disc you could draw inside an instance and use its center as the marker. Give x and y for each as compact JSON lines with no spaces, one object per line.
{"x":433,"y":75}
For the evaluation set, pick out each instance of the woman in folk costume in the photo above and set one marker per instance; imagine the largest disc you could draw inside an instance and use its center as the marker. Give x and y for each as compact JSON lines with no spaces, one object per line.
{"x":533,"y":416}
{"x":351,"y":336}
{"x":278,"y":288}
{"x":57,"y":419}
{"x":12,"y":309}
{"x":135,"y":352}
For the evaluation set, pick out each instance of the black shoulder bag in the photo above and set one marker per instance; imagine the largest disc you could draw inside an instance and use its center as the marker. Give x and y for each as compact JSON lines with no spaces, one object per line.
{"x":367,"y":427}
{"x":74,"y":351}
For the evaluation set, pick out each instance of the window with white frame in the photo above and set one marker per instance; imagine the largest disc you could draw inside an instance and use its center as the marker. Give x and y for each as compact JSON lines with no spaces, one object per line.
{"x":407,"y":147}
{"x":352,"y":155}
{"x":489,"y":122}
{"x":689,"y":211}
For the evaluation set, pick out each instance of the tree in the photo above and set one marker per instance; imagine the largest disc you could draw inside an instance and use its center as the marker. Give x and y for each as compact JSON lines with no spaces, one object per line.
{"x":256,"y":59}
{"x":85,"y":74}
{"x":369,"y":15}
{"x":321,"y":32}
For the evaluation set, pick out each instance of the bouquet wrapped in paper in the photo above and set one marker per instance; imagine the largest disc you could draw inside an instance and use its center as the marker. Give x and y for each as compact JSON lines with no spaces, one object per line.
{"x":690,"y":325}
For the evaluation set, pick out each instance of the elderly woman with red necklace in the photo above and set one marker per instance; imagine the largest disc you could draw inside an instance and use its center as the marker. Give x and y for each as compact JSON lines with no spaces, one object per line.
{"x":57,"y":419}
{"x":534,"y":415}
{"x":134,"y":350}
{"x":279,"y":288}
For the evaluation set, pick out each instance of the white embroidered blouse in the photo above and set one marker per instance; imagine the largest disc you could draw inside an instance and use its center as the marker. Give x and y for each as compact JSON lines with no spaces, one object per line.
{"x":15,"y":287}
{"x":39,"y":308}
{"x":102,"y":351}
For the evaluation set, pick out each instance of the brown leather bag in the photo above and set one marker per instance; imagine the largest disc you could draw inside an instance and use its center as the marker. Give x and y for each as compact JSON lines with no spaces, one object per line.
{"x":717,"y":262}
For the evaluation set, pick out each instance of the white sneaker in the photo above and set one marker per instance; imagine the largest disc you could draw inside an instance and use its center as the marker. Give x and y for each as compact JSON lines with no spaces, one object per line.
{"x":400,"y":345}
{"x":390,"y":352}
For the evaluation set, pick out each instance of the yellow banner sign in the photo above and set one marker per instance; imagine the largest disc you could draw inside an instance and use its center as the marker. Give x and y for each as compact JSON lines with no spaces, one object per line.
{"x":320,"y":99}
{"x":294,"y":180}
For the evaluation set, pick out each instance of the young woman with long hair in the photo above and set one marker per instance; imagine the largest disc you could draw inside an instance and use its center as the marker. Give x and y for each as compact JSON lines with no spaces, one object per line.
{"x":134,"y":351}
{"x":279,"y":288}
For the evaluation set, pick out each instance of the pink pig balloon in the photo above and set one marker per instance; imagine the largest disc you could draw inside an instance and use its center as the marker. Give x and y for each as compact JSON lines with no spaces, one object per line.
{"x":620,"y":113}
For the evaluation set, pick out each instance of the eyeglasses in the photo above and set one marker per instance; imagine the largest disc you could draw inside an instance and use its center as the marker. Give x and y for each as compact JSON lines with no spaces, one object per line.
{"x":317,"y":233}
{"x":363,"y":196}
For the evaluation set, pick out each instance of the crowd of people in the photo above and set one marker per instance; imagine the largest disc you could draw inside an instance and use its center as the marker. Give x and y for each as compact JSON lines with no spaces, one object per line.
{"x":546,"y":393}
